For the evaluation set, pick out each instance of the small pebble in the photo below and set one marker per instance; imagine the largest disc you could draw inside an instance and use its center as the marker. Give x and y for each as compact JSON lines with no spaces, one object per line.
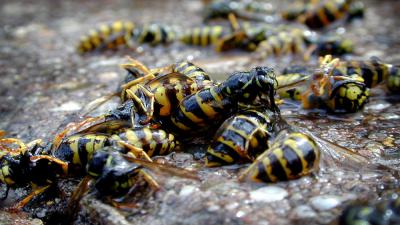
{"x":304,"y":211}
{"x":268,"y":194}
{"x":187,"y":190}
{"x":67,"y":107}
{"x":325,"y":202}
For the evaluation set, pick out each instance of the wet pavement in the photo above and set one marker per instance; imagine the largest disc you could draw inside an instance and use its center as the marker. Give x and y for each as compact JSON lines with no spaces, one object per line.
{"x":45,"y":84}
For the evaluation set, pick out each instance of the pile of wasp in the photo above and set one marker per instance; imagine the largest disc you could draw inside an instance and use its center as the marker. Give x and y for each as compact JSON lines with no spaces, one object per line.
{"x":162,"y":109}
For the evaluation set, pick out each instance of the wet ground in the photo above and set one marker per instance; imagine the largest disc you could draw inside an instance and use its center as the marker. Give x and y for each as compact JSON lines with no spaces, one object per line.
{"x":45,"y":84}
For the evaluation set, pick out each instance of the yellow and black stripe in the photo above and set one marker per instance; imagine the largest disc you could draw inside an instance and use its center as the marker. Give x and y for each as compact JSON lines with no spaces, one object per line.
{"x":203,"y":36}
{"x":282,"y":43}
{"x":290,"y":157}
{"x":325,"y":13}
{"x":208,"y":106}
{"x":386,"y":211}
{"x":153,"y":34}
{"x":290,"y":76}
{"x":152,"y":141}
{"x":191,"y":70}
{"x":78,"y":149}
{"x":347,"y":96}
{"x":373,"y":71}
{"x":114,"y":175}
{"x":107,"y":36}
{"x":240,"y":138}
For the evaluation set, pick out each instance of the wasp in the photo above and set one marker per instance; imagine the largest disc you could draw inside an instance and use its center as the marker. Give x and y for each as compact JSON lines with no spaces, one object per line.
{"x":319,"y":15}
{"x":373,"y":71}
{"x":153,"y":34}
{"x":211,"y":105}
{"x":18,"y":168}
{"x":291,"y":155}
{"x":323,"y":89}
{"x":204,"y":36}
{"x":241,"y":137}
{"x":386,"y":211}
{"x":107,"y":36}
{"x":78,"y":149}
{"x":250,"y":10}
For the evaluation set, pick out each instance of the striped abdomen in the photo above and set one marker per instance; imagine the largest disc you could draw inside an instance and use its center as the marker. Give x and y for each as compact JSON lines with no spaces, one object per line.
{"x":373,"y":72}
{"x":288,"y":158}
{"x":191,"y":70}
{"x":240,"y":138}
{"x":347,"y":97}
{"x":78,"y":149}
{"x":325,"y":13}
{"x":203,"y":36}
{"x":153,"y":34}
{"x":201,"y":109}
{"x":281,"y":44}
{"x":393,"y":82}
{"x":152,"y":141}
{"x":107,"y":36}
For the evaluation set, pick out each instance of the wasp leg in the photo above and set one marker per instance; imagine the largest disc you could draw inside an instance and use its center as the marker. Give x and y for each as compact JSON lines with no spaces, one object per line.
{"x":150,"y":180}
{"x":146,"y":104}
{"x":77,"y":195}
{"x":233,"y":22}
{"x":135,"y":151}
{"x":28,"y":198}
{"x":6,"y":142}
{"x":309,"y":51}
{"x":64,"y":165}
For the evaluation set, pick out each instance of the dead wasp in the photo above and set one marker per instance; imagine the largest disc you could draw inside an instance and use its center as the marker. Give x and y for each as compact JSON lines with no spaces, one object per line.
{"x":251,"y":10}
{"x":338,"y":94}
{"x":118,"y":176}
{"x":373,"y":72}
{"x":153,"y":34}
{"x":107,"y":36}
{"x":18,"y":168}
{"x":211,"y":105}
{"x":267,"y":40}
{"x":203,"y":36}
{"x":291,"y":155}
{"x":78,"y":149}
{"x":117,"y":34}
{"x":386,"y":211}
{"x":319,"y":14}
{"x":165,"y":89}
{"x":242,"y":137}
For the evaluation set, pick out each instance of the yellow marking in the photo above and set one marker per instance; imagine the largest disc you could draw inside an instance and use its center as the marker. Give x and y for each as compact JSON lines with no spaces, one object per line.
{"x":133,"y":139}
{"x":179,"y":92}
{"x":206,"y":108}
{"x":278,"y":152}
{"x":215,"y":95}
{"x":152,"y":147}
{"x":162,"y":99}
{"x":190,"y":115}
{"x":148,"y":135}
{"x":9,"y":181}
{"x":6,"y":171}
{"x":188,"y":69}
{"x":117,"y":26}
{"x":105,"y":30}
{"x":164,"y":148}
{"x":158,"y":37}
{"x":196,"y":36}
{"x":74,"y":141}
{"x":215,"y":34}
{"x":1,"y":176}
{"x":224,"y":157}
{"x":204,"y":36}
{"x":180,"y":125}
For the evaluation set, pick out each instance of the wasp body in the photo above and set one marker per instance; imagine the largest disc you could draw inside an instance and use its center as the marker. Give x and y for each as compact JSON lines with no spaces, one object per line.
{"x":113,"y":174}
{"x":204,"y":36}
{"x":373,"y":71}
{"x":152,"y":34}
{"x":290,"y":156}
{"x":78,"y":149}
{"x":386,"y":211}
{"x":243,"y":9}
{"x":108,"y":36}
{"x":241,"y":137}
{"x":213,"y":104}
{"x":319,"y":15}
